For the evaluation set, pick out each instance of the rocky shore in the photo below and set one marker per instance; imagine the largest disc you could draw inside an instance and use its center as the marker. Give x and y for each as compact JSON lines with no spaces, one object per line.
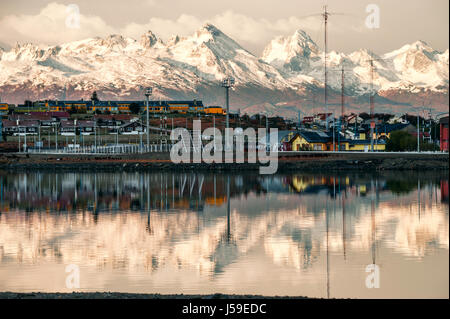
{"x":119,"y":295}
{"x":303,"y":162}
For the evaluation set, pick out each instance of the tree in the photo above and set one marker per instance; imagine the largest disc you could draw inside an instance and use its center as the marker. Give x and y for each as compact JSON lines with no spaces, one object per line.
{"x":401,"y":141}
{"x":135,"y":108}
{"x":72,"y":110}
{"x":94,"y":97}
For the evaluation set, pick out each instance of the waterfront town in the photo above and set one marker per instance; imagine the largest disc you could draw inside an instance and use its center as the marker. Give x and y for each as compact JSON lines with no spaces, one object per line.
{"x":69,"y":125}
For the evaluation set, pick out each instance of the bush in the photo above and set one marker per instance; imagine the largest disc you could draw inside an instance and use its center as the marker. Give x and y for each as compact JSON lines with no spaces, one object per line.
{"x":401,"y":141}
{"x":135,"y":108}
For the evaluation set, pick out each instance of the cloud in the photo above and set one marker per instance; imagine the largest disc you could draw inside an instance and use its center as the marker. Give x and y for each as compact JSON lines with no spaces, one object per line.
{"x":57,"y":23}
{"x":150,"y":3}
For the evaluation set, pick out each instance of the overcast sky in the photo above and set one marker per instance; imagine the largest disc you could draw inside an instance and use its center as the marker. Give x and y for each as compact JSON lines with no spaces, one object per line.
{"x":253,"y":23}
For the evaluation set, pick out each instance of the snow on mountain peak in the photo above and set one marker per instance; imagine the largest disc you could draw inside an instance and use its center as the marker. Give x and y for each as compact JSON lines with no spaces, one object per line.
{"x":291,"y":53}
{"x":149,"y":39}
{"x":184,"y":64}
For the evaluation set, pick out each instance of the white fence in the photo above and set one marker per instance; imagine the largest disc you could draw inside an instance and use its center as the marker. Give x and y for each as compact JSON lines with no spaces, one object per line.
{"x":110,"y":149}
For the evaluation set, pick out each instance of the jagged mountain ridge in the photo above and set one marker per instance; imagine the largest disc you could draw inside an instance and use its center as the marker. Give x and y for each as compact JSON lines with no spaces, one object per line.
{"x":192,"y":67}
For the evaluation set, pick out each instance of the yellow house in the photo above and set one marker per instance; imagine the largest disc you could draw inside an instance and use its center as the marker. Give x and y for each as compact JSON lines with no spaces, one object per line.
{"x":309,"y":140}
{"x":214,"y":110}
{"x":4,"y":107}
{"x":365,"y":145}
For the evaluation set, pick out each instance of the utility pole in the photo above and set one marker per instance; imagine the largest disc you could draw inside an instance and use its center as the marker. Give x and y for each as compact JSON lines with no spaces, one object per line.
{"x":299,"y":119}
{"x":342,"y":93}
{"x":334,"y":132}
{"x":148,"y":92}
{"x":56,"y":137}
{"x":227,"y":84}
{"x":267,"y":133}
{"x":418,"y":132}
{"x":39,"y":132}
{"x":95,"y":134}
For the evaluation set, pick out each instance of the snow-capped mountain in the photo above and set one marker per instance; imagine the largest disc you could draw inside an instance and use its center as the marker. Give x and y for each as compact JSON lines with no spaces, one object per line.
{"x":290,"y":70}
{"x":411,"y":67}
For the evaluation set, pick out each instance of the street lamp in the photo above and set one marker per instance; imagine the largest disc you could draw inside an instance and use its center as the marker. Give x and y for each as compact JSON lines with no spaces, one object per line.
{"x":227,"y":84}
{"x":148,"y":92}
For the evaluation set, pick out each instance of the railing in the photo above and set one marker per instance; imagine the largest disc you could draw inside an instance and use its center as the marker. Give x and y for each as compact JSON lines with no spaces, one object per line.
{"x":110,"y":149}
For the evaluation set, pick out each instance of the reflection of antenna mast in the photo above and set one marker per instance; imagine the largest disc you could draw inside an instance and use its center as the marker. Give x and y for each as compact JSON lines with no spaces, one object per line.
{"x":372,"y":212}
{"x":343,"y":224}
{"x":228,"y":209}
{"x":328,"y":264}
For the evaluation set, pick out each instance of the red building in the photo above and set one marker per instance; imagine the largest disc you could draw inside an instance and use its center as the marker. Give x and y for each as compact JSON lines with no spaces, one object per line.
{"x":444,"y":133}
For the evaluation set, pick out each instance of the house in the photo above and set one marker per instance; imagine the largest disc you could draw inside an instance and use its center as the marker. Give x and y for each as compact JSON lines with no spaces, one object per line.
{"x":281,"y":143}
{"x":443,"y":124}
{"x":85,"y":127}
{"x":309,"y":140}
{"x":105,"y":120}
{"x":383,"y":131}
{"x":132,"y":128}
{"x":397,"y":120}
{"x":58,"y":116}
{"x":9,"y":127}
{"x":67,"y":128}
{"x":44,"y":118}
{"x":21,"y":127}
{"x":4,"y":108}
{"x":365,"y":145}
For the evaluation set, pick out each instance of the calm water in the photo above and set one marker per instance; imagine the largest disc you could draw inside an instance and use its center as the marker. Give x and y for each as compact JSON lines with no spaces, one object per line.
{"x":297,"y":234}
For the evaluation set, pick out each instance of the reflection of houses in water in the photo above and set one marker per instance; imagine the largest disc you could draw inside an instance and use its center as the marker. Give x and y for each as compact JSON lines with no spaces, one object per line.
{"x":316,"y":184}
{"x":117,"y":192}
{"x":444,"y":191}
{"x":164,"y":191}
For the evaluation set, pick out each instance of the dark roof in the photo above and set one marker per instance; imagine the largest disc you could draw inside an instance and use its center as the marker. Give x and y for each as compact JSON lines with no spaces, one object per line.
{"x":82,"y":123}
{"x":28,"y":123}
{"x":8,"y":123}
{"x":444,"y":120}
{"x":388,"y":128}
{"x":315,"y":136}
{"x":68,"y":123}
{"x":152,"y":103}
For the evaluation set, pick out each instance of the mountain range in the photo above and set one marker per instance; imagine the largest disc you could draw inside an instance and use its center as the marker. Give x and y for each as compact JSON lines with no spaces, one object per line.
{"x":288,"y":77}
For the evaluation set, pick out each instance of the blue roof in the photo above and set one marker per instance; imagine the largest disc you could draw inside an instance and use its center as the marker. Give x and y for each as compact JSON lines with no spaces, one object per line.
{"x":366,"y":142}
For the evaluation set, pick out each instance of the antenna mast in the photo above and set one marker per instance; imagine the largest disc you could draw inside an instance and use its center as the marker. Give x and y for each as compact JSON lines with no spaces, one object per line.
{"x":342,"y":93}
{"x":325,"y":16}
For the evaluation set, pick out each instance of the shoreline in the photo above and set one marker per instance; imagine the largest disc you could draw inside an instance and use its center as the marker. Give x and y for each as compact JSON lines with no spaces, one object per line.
{"x":288,"y":161}
{"x":124,"y":295}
